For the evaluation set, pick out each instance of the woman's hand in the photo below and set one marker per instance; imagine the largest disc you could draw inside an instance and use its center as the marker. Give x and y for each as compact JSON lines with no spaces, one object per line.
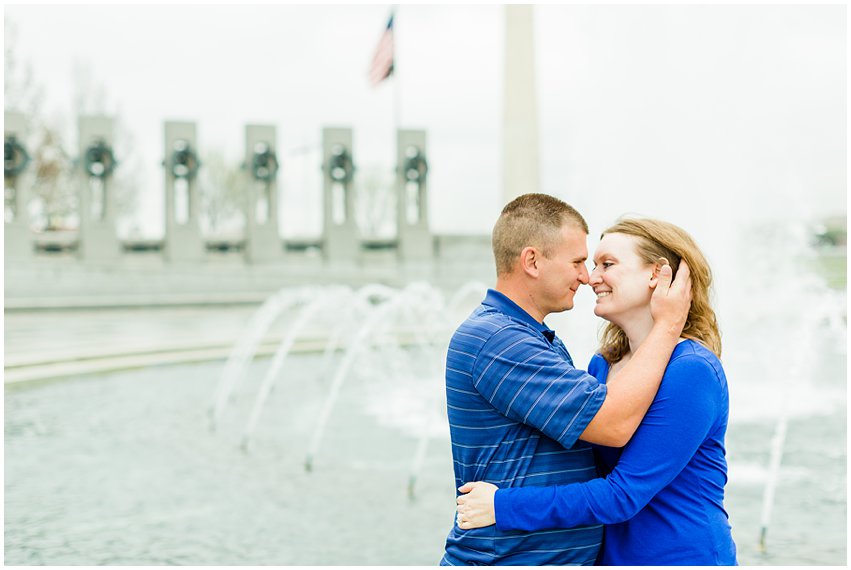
{"x":671,"y":301}
{"x":475,"y":509}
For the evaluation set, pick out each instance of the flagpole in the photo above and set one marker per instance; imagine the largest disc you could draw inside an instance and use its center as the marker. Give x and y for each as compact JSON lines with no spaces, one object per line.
{"x":397,"y":120}
{"x":397,"y":106}
{"x":384,"y":66}
{"x":397,"y":99}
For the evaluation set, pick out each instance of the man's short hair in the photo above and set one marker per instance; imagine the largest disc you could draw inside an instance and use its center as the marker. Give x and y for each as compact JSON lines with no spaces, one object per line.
{"x":532,"y":220}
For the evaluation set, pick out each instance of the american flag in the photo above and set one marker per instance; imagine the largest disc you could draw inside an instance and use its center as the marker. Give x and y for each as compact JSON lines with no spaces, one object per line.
{"x":382,"y":61}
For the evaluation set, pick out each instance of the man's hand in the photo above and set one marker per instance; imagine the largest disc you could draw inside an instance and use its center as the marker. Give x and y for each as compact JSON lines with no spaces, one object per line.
{"x":475,"y":509}
{"x":670,"y":302}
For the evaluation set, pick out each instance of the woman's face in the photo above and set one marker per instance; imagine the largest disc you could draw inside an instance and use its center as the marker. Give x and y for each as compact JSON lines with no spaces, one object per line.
{"x":621,"y":280}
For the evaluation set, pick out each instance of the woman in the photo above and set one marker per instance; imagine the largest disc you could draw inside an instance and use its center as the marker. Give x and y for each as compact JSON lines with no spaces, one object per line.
{"x":661,"y":497}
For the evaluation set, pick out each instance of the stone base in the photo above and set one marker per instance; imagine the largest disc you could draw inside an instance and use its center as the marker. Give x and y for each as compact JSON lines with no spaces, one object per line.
{"x":263,"y":245}
{"x":341,"y":244}
{"x":98,"y":242}
{"x":146,"y":278}
{"x":184,"y":244}
{"x":416,"y":244}
{"x":18,"y":242}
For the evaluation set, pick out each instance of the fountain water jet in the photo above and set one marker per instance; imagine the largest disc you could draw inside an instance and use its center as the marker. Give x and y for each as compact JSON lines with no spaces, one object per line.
{"x":336,"y":294}
{"x":389,"y":319}
{"x":360,"y":306}
{"x":245,"y":349}
{"x":423,"y":292}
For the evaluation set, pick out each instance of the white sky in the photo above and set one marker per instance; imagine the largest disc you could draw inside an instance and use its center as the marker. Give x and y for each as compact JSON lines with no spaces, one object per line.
{"x":691,"y":113}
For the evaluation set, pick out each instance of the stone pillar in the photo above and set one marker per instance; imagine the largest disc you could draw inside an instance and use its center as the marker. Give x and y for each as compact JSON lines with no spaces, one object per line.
{"x":183,"y":241}
{"x":520,"y":105}
{"x":18,"y":241}
{"x":414,"y":238}
{"x":97,"y":237}
{"x":341,"y":240}
{"x":262,"y":242}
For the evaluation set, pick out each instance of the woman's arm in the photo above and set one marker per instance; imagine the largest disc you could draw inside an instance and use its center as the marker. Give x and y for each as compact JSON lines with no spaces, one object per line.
{"x":675,"y":426}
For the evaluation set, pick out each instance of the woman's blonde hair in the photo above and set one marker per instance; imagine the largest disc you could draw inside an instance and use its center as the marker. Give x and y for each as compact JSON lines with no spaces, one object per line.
{"x":655,"y":239}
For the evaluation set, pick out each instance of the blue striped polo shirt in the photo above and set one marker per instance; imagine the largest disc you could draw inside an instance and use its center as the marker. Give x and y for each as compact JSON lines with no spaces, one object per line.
{"x":516,"y":407}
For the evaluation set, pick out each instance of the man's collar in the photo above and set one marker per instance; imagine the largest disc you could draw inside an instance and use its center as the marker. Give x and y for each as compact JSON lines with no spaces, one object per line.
{"x":502,"y":303}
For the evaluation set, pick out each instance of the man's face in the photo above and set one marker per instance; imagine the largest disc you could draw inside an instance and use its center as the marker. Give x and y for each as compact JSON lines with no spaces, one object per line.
{"x":564,"y":271}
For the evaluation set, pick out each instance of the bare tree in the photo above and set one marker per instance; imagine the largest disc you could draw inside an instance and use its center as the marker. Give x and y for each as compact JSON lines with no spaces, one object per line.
{"x":222,"y":187}
{"x":48,"y":171}
{"x":54,"y":187}
{"x":90,"y":98}
{"x":52,"y":183}
{"x":21,"y":92}
{"x":375,"y":208}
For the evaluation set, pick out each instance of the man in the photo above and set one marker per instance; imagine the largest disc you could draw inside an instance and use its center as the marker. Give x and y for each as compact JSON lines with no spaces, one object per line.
{"x":520,"y":413}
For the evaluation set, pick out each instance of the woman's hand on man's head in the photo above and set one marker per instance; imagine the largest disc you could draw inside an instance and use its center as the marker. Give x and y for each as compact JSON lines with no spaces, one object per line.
{"x":476,"y":508}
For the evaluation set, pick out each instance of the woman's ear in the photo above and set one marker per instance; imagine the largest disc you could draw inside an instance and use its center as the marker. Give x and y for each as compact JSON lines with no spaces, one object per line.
{"x":657,"y":267}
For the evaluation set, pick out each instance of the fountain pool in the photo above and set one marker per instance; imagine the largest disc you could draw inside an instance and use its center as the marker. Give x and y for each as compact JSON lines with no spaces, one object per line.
{"x":122,"y":468}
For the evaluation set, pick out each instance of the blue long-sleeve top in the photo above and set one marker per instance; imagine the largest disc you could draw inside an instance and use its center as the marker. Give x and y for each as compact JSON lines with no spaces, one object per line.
{"x":662,"y":502}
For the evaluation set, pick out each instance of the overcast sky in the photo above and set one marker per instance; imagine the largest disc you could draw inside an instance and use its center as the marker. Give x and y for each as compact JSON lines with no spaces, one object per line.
{"x":690,"y":113}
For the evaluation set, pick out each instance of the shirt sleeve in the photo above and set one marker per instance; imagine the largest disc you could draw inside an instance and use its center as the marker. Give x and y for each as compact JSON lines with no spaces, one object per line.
{"x":604,"y":457}
{"x":523,"y":377}
{"x":679,"y":420}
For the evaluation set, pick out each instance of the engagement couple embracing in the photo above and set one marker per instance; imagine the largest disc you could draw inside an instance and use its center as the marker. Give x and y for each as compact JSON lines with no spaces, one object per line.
{"x":621,"y":465}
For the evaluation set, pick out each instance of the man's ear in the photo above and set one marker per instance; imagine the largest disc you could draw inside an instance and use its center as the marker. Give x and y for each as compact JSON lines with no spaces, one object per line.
{"x":529,"y":258}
